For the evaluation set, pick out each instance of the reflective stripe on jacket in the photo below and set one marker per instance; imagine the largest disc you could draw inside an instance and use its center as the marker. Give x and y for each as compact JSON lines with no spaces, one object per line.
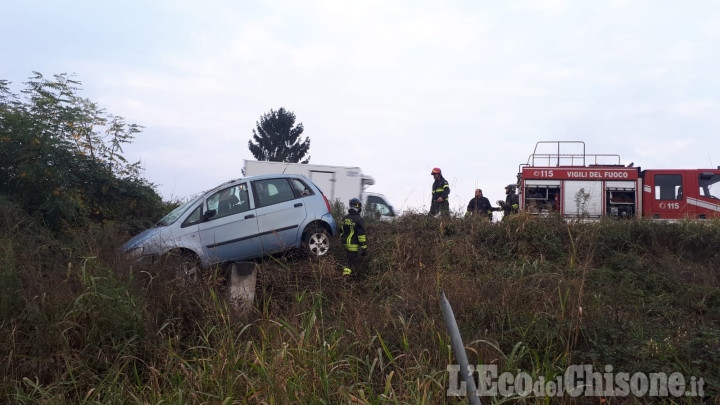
{"x":512,"y":203}
{"x":352,"y":234}
{"x":481,"y":205}
{"x":440,"y":188}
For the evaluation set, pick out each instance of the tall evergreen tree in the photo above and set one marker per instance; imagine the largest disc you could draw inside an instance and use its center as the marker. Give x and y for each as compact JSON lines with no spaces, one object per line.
{"x":277,"y":139}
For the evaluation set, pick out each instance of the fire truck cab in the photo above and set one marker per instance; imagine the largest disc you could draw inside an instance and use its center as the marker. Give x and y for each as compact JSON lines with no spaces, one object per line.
{"x":681,"y":193}
{"x":559,"y":177}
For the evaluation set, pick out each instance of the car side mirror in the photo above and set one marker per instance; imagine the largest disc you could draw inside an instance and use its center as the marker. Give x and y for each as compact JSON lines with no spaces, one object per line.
{"x":209,"y":214}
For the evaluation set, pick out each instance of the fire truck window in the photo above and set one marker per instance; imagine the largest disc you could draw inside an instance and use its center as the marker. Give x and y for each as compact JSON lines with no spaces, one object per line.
{"x":706,"y":182}
{"x":667,"y":186}
{"x":541,"y":199}
{"x":620,"y":203}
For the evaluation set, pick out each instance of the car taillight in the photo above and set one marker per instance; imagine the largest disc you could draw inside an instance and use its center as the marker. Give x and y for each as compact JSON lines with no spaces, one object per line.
{"x":327,"y":204}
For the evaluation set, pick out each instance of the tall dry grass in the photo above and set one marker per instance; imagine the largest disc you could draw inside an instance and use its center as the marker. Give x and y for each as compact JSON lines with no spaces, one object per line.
{"x":81,"y":325}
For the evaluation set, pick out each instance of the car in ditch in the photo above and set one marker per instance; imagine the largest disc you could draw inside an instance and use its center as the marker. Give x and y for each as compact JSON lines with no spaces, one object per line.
{"x":242,"y":219}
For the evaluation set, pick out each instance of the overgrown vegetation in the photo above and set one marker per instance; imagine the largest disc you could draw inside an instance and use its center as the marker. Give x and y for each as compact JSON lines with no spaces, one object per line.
{"x":61,"y":158}
{"x":81,"y":325}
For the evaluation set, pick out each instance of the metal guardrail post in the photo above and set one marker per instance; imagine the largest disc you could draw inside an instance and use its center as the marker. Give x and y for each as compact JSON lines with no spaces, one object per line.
{"x":459,"y":349}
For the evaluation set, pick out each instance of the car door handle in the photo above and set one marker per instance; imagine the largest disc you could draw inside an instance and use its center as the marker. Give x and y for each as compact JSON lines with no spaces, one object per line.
{"x":298,"y":205}
{"x":249,"y":216}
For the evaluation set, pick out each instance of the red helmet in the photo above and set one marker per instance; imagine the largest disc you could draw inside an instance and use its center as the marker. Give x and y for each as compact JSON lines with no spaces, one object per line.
{"x":436,"y":171}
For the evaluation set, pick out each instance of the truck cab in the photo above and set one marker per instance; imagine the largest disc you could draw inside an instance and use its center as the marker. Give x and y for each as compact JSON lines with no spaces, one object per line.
{"x":681,"y":193}
{"x":377,"y":204}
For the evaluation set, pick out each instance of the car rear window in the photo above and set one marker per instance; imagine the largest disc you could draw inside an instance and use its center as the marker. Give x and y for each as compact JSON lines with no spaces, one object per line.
{"x":300,"y":188}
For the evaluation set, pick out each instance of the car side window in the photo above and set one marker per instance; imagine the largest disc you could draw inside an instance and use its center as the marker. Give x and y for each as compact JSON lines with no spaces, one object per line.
{"x":194,"y":218}
{"x":229,"y":201}
{"x":272,"y":191}
{"x":300,"y":188}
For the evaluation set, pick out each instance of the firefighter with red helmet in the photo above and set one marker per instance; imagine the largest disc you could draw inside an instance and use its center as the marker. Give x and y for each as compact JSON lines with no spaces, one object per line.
{"x":440,"y":193}
{"x":512,"y":201}
{"x":353,"y":236}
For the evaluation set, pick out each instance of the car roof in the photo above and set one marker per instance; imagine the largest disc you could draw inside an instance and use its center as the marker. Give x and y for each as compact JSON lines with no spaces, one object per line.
{"x":258,"y":177}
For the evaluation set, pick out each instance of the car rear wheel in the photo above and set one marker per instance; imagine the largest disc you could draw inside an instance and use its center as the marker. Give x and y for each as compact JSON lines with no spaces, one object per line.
{"x":316,"y":241}
{"x":183,"y":265}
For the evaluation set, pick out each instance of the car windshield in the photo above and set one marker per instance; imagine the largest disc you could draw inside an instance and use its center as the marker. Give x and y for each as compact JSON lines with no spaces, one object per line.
{"x":177,"y":212}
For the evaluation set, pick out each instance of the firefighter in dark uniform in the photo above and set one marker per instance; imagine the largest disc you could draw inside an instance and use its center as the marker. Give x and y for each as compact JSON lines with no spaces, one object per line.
{"x":480,"y":206}
{"x":512,"y":201}
{"x":353,"y":236}
{"x":440,"y":193}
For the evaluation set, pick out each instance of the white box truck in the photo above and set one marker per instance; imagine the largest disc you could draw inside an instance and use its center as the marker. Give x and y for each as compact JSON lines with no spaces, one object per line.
{"x":336,"y":182}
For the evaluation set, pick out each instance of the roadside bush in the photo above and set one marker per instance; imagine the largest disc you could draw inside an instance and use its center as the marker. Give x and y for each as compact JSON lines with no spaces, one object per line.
{"x":61,"y":158}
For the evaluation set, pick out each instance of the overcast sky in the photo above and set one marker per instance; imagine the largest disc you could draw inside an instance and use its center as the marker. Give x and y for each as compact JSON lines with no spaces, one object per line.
{"x":394,"y":87}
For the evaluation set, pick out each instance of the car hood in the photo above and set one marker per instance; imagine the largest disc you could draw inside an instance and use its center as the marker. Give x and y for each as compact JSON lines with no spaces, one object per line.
{"x":142,"y":238}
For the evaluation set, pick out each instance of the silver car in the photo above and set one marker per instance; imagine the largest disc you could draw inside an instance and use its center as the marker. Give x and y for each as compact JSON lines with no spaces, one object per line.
{"x":241,"y":219}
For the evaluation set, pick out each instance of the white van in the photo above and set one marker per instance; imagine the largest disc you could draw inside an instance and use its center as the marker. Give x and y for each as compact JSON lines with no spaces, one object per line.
{"x":336,"y":182}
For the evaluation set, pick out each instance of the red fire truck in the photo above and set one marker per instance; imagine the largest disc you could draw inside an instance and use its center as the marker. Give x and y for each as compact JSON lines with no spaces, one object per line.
{"x":581,"y":185}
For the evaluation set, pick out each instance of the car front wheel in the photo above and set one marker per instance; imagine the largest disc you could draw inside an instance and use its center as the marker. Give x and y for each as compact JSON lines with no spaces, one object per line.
{"x":183,"y":265}
{"x":316,"y":241}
